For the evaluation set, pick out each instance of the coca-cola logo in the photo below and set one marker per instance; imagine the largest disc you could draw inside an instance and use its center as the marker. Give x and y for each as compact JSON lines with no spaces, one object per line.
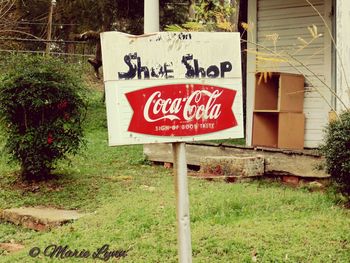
{"x":181,"y":110}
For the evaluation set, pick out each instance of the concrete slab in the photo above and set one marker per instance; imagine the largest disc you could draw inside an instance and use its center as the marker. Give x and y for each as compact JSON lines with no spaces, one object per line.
{"x":39,"y":218}
{"x":278,"y":162}
{"x":11,"y":247}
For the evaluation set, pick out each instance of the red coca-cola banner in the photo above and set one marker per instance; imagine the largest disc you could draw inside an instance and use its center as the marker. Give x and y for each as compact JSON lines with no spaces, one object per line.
{"x":181,"y":110}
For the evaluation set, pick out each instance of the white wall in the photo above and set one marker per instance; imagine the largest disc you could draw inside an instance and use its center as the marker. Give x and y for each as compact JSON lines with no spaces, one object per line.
{"x":290,"y":19}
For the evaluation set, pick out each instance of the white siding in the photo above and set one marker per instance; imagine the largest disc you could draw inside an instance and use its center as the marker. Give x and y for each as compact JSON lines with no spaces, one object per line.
{"x":290,"y":19}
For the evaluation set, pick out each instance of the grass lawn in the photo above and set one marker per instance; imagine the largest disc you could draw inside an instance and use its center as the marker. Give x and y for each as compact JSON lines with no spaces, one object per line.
{"x":132,"y":206}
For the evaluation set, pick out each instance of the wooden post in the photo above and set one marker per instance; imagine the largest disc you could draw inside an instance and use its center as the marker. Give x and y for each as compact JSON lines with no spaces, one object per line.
{"x":251,"y":68}
{"x":49,"y":27}
{"x":342,"y":54}
{"x":182,"y":203}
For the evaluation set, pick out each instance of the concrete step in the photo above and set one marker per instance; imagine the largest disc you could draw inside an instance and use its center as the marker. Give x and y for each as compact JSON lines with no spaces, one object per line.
{"x":39,"y":218}
{"x":11,"y":247}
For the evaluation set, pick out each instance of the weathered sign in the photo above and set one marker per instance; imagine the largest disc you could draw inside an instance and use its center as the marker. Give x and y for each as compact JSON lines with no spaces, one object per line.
{"x":172,"y":87}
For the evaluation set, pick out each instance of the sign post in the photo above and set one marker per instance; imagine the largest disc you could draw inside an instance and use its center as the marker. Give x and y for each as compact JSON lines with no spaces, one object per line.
{"x":182,"y":203}
{"x":151,"y":24}
{"x":173,"y":87}
{"x":151,"y":16}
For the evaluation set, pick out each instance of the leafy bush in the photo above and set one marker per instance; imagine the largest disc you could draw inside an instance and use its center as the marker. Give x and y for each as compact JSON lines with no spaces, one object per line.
{"x":208,"y":16}
{"x":336,"y":150}
{"x":41,"y":109}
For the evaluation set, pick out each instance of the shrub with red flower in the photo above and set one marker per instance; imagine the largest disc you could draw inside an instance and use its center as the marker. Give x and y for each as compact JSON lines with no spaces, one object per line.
{"x":41,"y":107}
{"x":49,"y":138}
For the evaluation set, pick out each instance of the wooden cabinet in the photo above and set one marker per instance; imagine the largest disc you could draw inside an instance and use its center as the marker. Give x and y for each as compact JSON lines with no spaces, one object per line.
{"x":278,"y":119}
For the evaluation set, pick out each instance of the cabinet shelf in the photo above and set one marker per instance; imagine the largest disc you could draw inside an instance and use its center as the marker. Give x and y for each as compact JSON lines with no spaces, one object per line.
{"x":267,"y":111}
{"x":278,"y":119}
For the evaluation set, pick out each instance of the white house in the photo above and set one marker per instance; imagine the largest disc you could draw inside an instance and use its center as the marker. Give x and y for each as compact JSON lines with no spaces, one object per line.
{"x":327,"y":65}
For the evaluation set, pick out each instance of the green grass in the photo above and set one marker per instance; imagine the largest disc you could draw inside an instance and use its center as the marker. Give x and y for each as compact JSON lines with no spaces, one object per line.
{"x":132,"y":206}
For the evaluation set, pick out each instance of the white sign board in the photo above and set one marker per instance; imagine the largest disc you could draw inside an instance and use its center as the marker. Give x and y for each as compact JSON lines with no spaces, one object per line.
{"x":172,"y":87}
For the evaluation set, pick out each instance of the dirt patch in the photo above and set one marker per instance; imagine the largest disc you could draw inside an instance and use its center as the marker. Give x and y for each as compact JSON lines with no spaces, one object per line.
{"x":52,"y":184}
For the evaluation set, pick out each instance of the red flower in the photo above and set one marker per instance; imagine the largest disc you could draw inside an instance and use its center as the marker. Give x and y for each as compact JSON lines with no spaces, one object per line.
{"x":62,"y":105}
{"x":66,"y":116}
{"x":49,"y":138}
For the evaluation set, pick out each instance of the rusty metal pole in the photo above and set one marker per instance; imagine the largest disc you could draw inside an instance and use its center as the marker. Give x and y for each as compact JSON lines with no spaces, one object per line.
{"x":182,"y":203}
